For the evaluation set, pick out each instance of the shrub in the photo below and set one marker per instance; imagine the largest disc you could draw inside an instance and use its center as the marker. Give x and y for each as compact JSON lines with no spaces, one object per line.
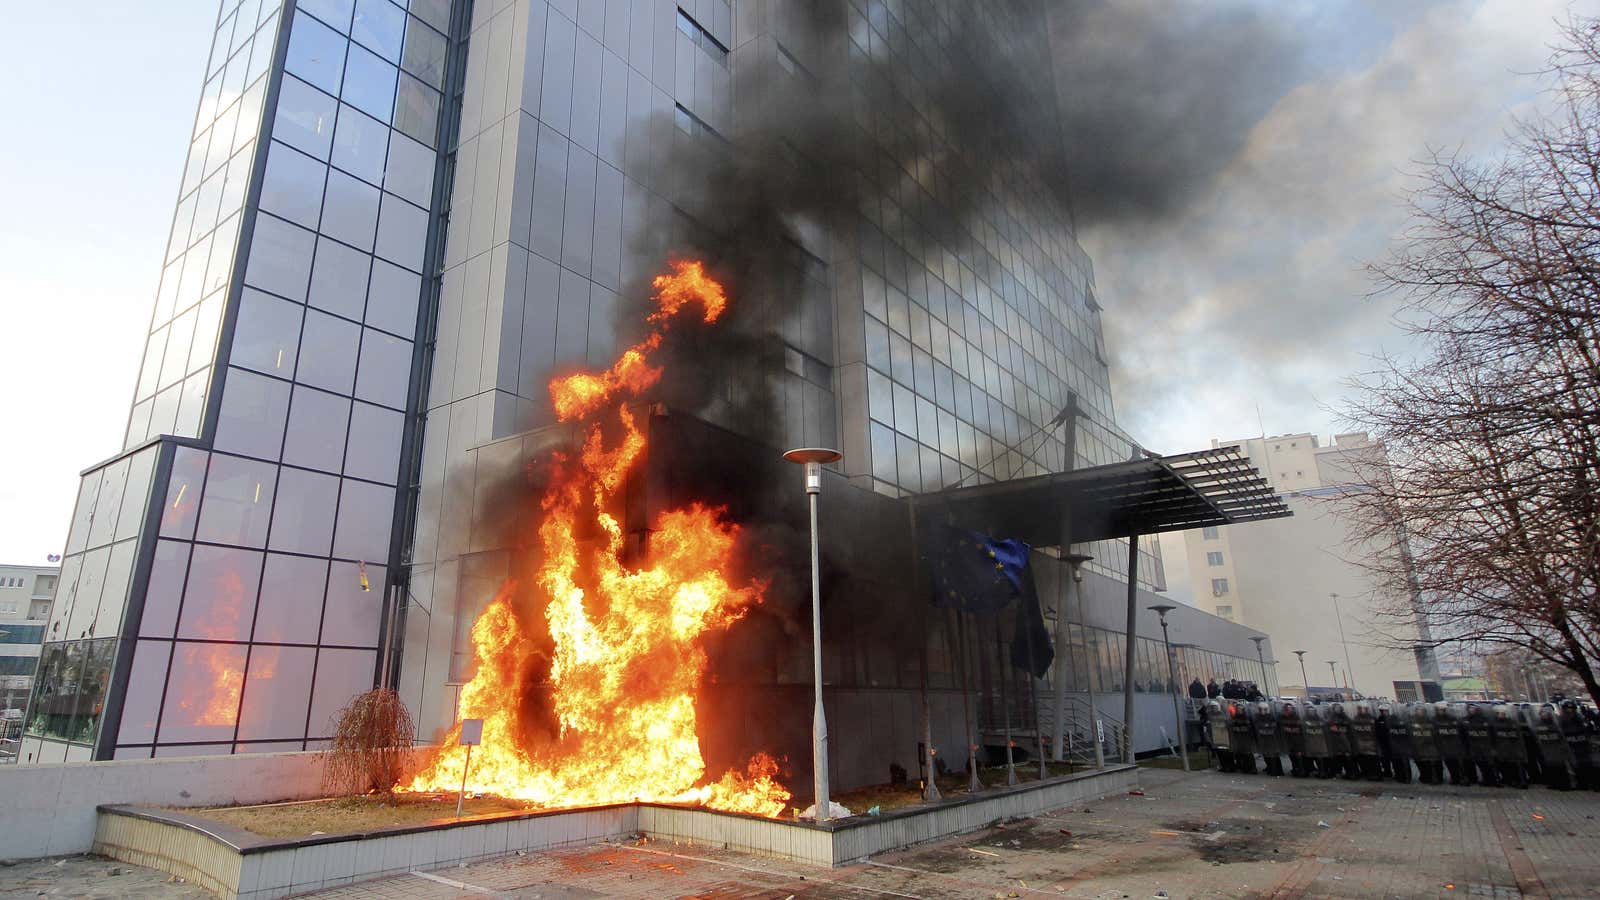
{"x":371,"y":747}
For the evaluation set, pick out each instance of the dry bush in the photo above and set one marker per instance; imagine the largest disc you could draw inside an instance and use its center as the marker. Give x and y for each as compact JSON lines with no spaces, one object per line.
{"x":371,"y":747}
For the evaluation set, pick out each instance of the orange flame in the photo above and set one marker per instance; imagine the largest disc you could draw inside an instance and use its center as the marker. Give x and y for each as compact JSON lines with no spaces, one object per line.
{"x":626,"y":661}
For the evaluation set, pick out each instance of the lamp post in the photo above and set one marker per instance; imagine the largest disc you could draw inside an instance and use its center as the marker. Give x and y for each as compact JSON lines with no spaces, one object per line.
{"x":813,"y":459}
{"x":1333,"y":674}
{"x":1259,"y":660}
{"x":1303,"y":677}
{"x":1161,"y":610}
{"x":1349,"y":670}
{"x":1058,"y":725}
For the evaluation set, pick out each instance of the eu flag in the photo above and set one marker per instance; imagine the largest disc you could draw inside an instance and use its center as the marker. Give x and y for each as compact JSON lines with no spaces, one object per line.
{"x":976,"y":573}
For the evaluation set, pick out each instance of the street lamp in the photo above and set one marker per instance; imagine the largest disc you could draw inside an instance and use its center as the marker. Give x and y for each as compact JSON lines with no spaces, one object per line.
{"x":1259,"y":660}
{"x":813,"y":458}
{"x":1339,"y":616}
{"x":1161,"y":609}
{"x":1303,"y":677}
{"x":1333,"y":674}
{"x":1058,"y":726}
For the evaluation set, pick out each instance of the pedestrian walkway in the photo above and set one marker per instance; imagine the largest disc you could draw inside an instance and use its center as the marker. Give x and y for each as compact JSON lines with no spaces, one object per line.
{"x":1199,"y":835}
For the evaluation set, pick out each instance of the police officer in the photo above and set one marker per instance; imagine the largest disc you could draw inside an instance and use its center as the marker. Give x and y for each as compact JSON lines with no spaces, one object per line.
{"x":1394,"y":724}
{"x":1555,"y":758}
{"x":1454,"y":747}
{"x":1510,"y":752}
{"x":1314,"y":732}
{"x":1364,"y":740}
{"x":1242,"y":737}
{"x":1339,"y":744}
{"x":1524,"y":715}
{"x":1425,"y":744}
{"x":1480,"y":743}
{"x":1292,"y":733}
{"x":1269,"y":743}
{"x":1217,"y":731}
{"x":1575,"y":728}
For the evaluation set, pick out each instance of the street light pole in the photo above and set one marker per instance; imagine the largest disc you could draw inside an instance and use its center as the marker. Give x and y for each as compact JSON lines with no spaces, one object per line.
{"x":1303,"y":677}
{"x":813,"y":459}
{"x":1333,"y":674}
{"x":1349,"y":670}
{"x":1075,"y":563}
{"x":1161,"y":610}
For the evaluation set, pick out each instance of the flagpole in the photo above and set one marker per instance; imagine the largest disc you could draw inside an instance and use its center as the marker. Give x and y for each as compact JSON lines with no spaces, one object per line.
{"x":974,"y":783}
{"x":1005,"y":704}
{"x":930,"y":784}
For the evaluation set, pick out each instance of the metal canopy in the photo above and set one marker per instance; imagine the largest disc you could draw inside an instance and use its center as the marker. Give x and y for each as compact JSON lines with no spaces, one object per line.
{"x":1141,"y":496}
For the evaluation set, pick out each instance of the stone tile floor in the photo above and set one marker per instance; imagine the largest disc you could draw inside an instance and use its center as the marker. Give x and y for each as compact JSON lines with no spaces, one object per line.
{"x":1201,"y":835}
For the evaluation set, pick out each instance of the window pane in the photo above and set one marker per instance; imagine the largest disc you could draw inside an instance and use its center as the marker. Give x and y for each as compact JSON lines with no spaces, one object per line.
{"x":360,"y":144}
{"x":267,"y":334}
{"x":277,"y":693}
{"x":202,"y":692}
{"x":291,"y":599}
{"x":417,"y":110}
{"x":339,"y":279}
{"x":208,"y":320}
{"x":334,"y":12}
{"x":305,"y":117}
{"x":379,"y":26}
{"x":351,"y":211}
{"x":160,"y":618}
{"x":142,"y":699}
{"x":341,"y":674}
{"x":183,"y":493}
{"x":252,"y":415}
{"x":140,"y":470}
{"x":316,"y":53}
{"x":369,"y":84}
{"x":392,"y":298}
{"x":302,"y":515}
{"x":316,"y":429}
{"x":410,"y":170}
{"x":352,"y":615}
{"x":402,"y":233}
{"x":366,"y":512}
{"x":374,"y":452}
{"x":424,"y":55}
{"x":108,"y":503}
{"x":329,"y":360}
{"x":280,"y":258}
{"x":292,"y":187}
{"x":238,"y":501}
{"x":220,"y":599}
{"x":385,"y":371}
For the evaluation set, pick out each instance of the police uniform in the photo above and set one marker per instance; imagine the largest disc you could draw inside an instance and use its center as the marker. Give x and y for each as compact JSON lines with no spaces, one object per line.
{"x":1218,"y":730}
{"x":1555,"y":756}
{"x":1242,"y":737}
{"x":1291,"y":731}
{"x":1339,"y":745}
{"x":1314,"y":733}
{"x":1364,"y":741}
{"x":1396,"y":745}
{"x":1425,"y":743}
{"x":1269,"y":743}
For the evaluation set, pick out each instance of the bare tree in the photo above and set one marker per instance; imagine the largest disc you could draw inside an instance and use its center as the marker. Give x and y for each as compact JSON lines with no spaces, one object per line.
{"x":1490,"y":500}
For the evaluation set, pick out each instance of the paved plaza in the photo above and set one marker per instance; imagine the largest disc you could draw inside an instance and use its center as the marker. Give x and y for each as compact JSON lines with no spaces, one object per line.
{"x":1201,"y":835}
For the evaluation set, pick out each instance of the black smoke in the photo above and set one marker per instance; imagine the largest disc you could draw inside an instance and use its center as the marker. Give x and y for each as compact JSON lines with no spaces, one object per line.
{"x":1064,"y":115}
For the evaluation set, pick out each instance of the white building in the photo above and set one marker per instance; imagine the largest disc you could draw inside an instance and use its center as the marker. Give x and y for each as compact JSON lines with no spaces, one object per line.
{"x":25,"y":593}
{"x":1295,"y":578}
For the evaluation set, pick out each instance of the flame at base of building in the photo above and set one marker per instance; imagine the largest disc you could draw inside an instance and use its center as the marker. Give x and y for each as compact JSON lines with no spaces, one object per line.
{"x":596,"y":703}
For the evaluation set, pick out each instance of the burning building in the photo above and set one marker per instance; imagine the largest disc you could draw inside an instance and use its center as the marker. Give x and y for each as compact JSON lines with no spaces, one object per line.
{"x":429,"y":400}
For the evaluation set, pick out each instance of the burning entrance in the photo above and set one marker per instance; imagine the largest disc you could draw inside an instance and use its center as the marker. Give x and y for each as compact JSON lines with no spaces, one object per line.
{"x":618,"y":651}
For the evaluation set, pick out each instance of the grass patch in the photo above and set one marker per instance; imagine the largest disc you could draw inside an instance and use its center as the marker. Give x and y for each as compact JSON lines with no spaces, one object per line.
{"x":343,"y":815}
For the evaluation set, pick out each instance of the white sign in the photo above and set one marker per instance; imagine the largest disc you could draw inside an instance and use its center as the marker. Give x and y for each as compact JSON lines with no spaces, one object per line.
{"x":471,"y":732}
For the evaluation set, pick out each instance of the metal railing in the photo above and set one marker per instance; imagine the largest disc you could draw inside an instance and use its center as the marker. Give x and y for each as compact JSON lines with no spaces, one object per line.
{"x":1079,"y":731}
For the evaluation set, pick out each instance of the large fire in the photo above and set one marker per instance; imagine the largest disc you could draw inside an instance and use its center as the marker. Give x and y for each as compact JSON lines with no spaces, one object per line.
{"x":626,"y":661}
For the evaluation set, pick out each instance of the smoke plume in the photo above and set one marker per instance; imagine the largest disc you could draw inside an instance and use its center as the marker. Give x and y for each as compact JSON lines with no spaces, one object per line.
{"x":1022,"y":113}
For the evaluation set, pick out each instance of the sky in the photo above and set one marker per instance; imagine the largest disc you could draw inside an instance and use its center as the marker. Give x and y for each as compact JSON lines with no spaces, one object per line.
{"x":1244,"y":310}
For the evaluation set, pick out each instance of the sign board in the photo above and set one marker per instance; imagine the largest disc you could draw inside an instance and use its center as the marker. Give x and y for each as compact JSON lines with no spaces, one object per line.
{"x":471,"y":732}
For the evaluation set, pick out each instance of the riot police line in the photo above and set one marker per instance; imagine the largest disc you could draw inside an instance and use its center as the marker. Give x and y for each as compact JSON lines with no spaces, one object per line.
{"x":1492,"y":744}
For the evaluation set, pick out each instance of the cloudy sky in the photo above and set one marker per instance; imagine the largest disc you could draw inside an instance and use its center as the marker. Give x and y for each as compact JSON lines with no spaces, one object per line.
{"x":1248,"y":294}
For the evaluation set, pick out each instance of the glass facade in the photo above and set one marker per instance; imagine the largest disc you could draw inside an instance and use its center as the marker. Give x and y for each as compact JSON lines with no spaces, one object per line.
{"x":223,"y":583}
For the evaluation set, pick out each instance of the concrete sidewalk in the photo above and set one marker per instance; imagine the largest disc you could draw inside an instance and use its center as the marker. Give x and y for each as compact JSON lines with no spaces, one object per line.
{"x":1200,"y":835}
